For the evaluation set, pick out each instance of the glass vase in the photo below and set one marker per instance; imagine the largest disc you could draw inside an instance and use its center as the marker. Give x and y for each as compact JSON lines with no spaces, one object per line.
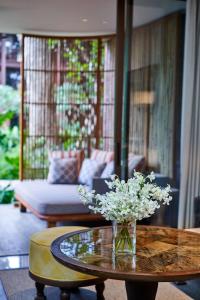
{"x":124,"y":238}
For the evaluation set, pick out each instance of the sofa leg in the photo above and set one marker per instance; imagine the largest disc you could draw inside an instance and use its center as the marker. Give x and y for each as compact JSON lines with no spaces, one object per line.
{"x":40,"y":291}
{"x":100,"y":289}
{"x":22,"y":208}
{"x":64,"y":294}
{"x":16,"y":203}
{"x":51,"y":224}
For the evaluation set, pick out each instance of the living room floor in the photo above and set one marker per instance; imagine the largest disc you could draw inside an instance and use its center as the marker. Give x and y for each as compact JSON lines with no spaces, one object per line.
{"x":17,"y":228}
{"x":14,"y":247}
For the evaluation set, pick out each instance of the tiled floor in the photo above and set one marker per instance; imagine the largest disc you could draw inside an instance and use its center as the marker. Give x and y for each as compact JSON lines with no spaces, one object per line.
{"x":9,"y":263}
{"x":2,"y":292}
{"x":16,"y":229}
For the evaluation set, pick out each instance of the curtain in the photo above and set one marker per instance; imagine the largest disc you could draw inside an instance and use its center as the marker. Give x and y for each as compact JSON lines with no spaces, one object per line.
{"x":155,"y":92}
{"x":190,"y":131}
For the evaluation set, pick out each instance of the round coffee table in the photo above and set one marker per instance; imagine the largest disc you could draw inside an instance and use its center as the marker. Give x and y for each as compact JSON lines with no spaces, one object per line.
{"x":163,"y":254}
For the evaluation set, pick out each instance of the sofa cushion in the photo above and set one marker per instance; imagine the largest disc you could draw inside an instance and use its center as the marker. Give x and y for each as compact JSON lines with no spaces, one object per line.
{"x":78,"y":154}
{"x":90,"y":168}
{"x":51,"y":199}
{"x":62,"y":170}
{"x":102,"y":156}
{"x":108,"y":170}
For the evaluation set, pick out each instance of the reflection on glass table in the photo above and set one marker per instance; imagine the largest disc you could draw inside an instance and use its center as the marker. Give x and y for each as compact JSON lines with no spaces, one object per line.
{"x":162,"y":254}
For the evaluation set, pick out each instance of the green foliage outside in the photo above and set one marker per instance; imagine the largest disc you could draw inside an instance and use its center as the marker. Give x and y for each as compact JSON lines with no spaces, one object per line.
{"x":9,"y":100}
{"x":79,"y":87}
{"x":78,"y":93}
{"x":9,"y":153}
{"x":75,"y":98}
{"x":9,"y":135}
{"x":6,"y":195}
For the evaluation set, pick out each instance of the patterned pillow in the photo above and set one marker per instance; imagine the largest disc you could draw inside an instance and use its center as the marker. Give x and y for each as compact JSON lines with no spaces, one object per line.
{"x":109,"y":170}
{"x":102,"y":156}
{"x":62,"y":170}
{"x":90,"y":168}
{"x":78,"y":154}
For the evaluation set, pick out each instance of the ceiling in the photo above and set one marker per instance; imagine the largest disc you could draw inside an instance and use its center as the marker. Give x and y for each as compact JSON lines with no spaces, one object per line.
{"x":80,"y":17}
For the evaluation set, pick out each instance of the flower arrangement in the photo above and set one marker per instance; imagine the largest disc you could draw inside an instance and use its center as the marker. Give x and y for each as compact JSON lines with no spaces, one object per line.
{"x":126,"y":202}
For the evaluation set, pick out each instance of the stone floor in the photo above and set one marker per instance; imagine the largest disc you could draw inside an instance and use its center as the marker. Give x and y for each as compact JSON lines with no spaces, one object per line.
{"x":16,"y":229}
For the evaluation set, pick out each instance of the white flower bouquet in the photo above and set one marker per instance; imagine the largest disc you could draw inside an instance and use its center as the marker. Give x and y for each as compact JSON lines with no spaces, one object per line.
{"x":126,"y":202}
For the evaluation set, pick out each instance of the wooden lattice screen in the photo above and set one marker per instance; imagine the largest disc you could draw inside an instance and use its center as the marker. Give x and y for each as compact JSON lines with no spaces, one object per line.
{"x":67,"y":98}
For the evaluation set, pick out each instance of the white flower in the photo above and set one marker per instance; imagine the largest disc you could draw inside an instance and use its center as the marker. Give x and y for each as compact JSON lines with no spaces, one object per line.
{"x":135,"y":199}
{"x":151,"y":176}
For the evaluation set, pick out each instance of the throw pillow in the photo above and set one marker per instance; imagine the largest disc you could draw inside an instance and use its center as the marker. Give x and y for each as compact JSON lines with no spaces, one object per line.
{"x":62,"y":170}
{"x":90,"y":168}
{"x":78,"y":154}
{"x":108,"y":170}
{"x":102,"y":156}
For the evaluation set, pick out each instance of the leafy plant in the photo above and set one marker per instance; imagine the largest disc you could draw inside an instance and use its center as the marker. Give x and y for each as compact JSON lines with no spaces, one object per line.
{"x":6,"y":195}
{"x":9,"y":153}
{"x":9,"y":101}
{"x":9,"y":136}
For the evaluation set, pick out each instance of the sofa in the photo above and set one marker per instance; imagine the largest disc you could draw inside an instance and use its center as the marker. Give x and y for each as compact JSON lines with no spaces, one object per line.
{"x":54,"y":202}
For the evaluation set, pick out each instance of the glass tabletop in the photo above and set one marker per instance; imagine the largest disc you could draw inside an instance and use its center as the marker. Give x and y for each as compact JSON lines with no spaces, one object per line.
{"x":162,"y":254}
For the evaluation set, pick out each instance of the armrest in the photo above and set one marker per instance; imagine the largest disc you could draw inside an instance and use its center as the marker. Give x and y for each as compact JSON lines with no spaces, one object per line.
{"x":99,"y":185}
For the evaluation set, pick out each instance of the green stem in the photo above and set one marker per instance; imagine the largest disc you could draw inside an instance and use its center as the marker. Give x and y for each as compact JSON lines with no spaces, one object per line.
{"x":123,"y":240}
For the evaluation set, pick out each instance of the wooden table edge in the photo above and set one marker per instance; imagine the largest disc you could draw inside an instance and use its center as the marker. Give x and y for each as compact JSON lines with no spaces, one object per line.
{"x":100,"y":272}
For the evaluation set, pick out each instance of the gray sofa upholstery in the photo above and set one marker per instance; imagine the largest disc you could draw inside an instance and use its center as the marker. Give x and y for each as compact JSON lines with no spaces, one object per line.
{"x":58,"y":202}
{"x":51,"y":199}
